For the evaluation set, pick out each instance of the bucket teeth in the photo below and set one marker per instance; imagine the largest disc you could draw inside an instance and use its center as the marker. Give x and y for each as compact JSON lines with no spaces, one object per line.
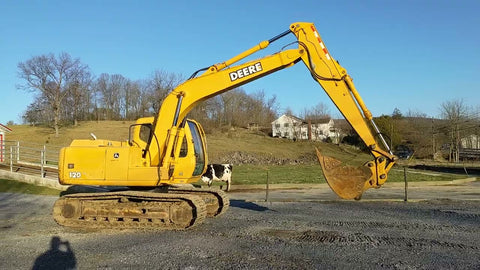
{"x":348,"y":182}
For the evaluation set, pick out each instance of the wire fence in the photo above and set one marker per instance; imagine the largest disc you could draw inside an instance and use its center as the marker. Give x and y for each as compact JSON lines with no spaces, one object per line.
{"x":29,"y":158}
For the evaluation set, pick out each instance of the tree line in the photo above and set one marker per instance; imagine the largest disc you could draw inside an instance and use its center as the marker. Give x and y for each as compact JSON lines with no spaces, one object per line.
{"x":66,"y":91}
{"x":443,"y":138}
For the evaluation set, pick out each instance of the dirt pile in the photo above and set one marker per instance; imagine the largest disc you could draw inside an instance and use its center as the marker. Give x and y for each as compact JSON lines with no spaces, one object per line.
{"x":240,"y":157}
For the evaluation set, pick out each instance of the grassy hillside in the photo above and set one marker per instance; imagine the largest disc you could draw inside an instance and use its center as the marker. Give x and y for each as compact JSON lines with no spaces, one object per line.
{"x":114,"y":130}
{"x":255,"y":155}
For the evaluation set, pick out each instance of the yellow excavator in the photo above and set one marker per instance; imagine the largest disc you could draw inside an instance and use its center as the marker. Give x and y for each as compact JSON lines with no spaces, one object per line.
{"x":168,"y":150}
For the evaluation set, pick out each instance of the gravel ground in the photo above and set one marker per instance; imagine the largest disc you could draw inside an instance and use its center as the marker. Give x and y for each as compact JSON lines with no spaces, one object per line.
{"x":431,"y":234}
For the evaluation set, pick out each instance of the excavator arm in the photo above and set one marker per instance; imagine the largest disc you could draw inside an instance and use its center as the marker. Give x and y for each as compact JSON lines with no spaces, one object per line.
{"x":347,"y":182}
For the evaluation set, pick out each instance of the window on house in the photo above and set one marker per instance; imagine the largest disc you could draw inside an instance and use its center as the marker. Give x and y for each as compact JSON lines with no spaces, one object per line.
{"x":285,"y":125}
{"x":277,"y":125}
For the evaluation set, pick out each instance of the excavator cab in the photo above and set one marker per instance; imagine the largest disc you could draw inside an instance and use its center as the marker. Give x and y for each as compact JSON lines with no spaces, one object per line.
{"x":188,"y":149}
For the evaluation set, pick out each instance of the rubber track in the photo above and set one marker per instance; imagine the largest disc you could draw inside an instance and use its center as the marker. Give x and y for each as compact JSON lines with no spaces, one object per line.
{"x":130,"y":209}
{"x":216,"y":200}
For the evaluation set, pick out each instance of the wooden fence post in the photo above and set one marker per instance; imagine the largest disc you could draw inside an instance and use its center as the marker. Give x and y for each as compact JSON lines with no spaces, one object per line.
{"x":406,"y":184}
{"x":267,"y":190}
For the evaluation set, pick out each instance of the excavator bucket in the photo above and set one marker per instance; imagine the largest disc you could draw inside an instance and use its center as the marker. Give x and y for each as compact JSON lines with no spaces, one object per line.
{"x":348,"y":182}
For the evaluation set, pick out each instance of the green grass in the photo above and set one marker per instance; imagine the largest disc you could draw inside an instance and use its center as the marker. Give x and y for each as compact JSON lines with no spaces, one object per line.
{"x":293,"y":174}
{"x":312,"y":174}
{"x":20,"y":187}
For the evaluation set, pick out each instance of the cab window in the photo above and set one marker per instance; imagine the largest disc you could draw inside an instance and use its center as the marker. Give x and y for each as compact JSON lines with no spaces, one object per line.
{"x":145,"y":132}
{"x":197,"y":148}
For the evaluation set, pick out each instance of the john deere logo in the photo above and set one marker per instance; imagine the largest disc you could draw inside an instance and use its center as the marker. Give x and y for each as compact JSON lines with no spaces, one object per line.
{"x":246,"y":71}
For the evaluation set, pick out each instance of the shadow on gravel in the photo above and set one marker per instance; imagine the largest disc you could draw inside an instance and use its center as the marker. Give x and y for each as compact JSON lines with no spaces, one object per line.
{"x":59,"y":256}
{"x":248,"y":205}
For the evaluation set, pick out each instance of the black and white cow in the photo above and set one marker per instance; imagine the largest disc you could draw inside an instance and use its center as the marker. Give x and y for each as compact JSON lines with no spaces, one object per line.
{"x":218,"y":172}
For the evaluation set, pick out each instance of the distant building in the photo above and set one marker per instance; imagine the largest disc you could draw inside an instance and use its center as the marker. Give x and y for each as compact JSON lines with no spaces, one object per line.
{"x":286,"y":126}
{"x":469,"y":147}
{"x":294,"y":128}
{"x":3,"y":131}
{"x":470,"y":142}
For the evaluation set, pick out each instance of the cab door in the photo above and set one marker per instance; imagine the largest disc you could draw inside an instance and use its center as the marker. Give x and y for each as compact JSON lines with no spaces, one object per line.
{"x":199,"y":147}
{"x":191,"y":160}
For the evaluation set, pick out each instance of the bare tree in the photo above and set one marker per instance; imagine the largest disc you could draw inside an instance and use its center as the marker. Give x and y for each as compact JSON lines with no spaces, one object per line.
{"x":144,"y":103}
{"x":239,"y":108}
{"x":209,"y":113}
{"x":133,"y":100}
{"x":50,"y":76}
{"x":264,"y":109}
{"x":160,"y":84}
{"x":112,"y":91}
{"x":79,"y":96}
{"x":236,"y":108}
{"x":319,"y":111}
{"x":117,"y":88}
{"x":228,"y":100}
{"x":117,"y":97}
{"x":456,"y":114}
{"x":288,"y":111}
{"x":37,"y":112}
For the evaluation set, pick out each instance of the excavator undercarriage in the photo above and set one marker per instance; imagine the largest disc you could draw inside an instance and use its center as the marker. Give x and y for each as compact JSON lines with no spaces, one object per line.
{"x":160,"y":209}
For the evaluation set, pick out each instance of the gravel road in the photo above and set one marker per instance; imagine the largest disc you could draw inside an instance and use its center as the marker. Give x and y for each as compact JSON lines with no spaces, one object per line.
{"x":432,"y":234}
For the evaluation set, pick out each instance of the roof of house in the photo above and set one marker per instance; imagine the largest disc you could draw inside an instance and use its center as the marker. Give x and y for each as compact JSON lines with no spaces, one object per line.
{"x":312,"y":121}
{"x":5,"y":128}
{"x":319,"y":120}
{"x":290,"y":116}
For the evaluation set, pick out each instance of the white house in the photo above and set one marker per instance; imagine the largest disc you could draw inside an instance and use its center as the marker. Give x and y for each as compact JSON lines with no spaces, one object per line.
{"x":286,"y":126}
{"x":3,"y":131}
{"x":294,"y":128}
{"x":319,"y":130}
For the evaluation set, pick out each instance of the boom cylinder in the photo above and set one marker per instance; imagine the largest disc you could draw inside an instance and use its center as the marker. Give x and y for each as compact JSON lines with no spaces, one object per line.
{"x":177,"y":110}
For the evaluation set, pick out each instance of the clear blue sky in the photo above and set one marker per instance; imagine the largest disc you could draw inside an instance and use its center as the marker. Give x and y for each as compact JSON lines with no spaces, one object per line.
{"x":411,"y":55}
